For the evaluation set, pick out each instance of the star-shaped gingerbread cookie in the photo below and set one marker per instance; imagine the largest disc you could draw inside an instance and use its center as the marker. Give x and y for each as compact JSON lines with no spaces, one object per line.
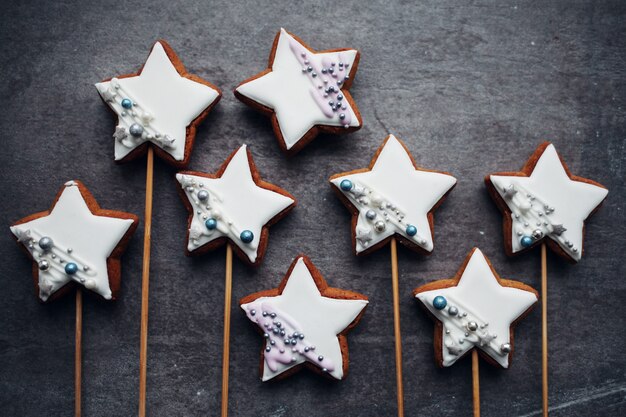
{"x":304,"y":91}
{"x":545,"y":200}
{"x":233,"y":205}
{"x":392,"y":198}
{"x":475,"y":309}
{"x":304,"y":323}
{"x":160,"y":106}
{"x":75,"y":242}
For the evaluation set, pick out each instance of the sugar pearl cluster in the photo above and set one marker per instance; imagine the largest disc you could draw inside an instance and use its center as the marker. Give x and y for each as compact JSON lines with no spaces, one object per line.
{"x":135,"y":121}
{"x":327,"y":76}
{"x":56,"y":264}
{"x":379,"y":213}
{"x":533,"y":219}
{"x":462,"y":327}
{"x":207,"y":206}
{"x":285,"y":341}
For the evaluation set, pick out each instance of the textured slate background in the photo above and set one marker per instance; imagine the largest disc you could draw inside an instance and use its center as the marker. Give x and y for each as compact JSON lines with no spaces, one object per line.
{"x":471,"y":86}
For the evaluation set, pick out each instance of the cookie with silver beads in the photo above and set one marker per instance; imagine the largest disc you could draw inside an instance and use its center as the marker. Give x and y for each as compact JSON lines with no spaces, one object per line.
{"x":544,"y":202}
{"x":305,"y":92}
{"x":233,"y":205}
{"x":75,"y":243}
{"x":393,"y":198}
{"x":304,"y":323}
{"x":160,"y":106}
{"x":476,"y":309}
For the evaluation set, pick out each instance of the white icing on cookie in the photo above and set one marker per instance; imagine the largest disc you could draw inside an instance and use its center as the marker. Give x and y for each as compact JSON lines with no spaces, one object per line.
{"x":548,"y":203}
{"x":302,"y":308}
{"x":478,"y":312}
{"x":393,"y":197}
{"x":229,"y":205}
{"x":296,"y":95}
{"x":75,"y":236}
{"x":161,"y":104}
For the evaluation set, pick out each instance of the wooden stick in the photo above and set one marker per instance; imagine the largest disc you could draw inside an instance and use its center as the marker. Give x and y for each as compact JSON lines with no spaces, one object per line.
{"x":228,"y":287}
{"x":475,"y":383}
{"x":544,"y":328}
{"x":78,"y":362}
{"x":396,"y":326}
{"x":145,"y":285}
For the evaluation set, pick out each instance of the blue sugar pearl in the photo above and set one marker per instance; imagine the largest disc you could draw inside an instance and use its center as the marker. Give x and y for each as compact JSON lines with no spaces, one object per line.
{"x":246,"y":236}
{"x":440,"y":302}
{"x":127,"y":104}
{"x":411,"y":230}
{"x":346,"y":185}
{"x":526,"y":241}
{"x":211,"y":223}
{"x":71,"y":268}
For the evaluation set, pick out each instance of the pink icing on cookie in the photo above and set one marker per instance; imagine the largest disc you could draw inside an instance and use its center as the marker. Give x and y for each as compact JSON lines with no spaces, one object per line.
{"x":285,"y":341}
{"x":326,"y":80}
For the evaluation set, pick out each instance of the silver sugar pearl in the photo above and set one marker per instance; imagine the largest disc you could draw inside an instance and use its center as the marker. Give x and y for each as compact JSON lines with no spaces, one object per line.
{"x":46,"y":243}
{"x":136,"y":129}
{"x":370,"y":214}
{"x":380,"y":226}
{"x":44,"y":265}
{"x":453,"y":311}
{"x":505,"y":348}
{"x":472,"y":325}
{"x":203,"y":195}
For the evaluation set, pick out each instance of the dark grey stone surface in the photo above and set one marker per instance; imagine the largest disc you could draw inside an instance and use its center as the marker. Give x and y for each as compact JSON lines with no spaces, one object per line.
{"x":471,"y":86}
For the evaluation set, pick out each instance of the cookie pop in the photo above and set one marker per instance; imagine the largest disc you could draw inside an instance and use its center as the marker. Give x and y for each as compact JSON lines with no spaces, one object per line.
{"x":158,"y":110}
{"x":475,"y":311}
{"x":233,"y":207}
{"x":393,"y":200}
{"x":544,"y":204}
{"x":304,"y":323}
{"x":76,"y":245}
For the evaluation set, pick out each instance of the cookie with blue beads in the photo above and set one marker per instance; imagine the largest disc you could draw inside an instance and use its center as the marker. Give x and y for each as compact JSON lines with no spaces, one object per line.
{"x":476,"y":309}
{"x":75,"y":243}
{"x":233,"y":206}
{"x":544,"y":202}
{"x":393,"y":198}
{"x":159,"y":106}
